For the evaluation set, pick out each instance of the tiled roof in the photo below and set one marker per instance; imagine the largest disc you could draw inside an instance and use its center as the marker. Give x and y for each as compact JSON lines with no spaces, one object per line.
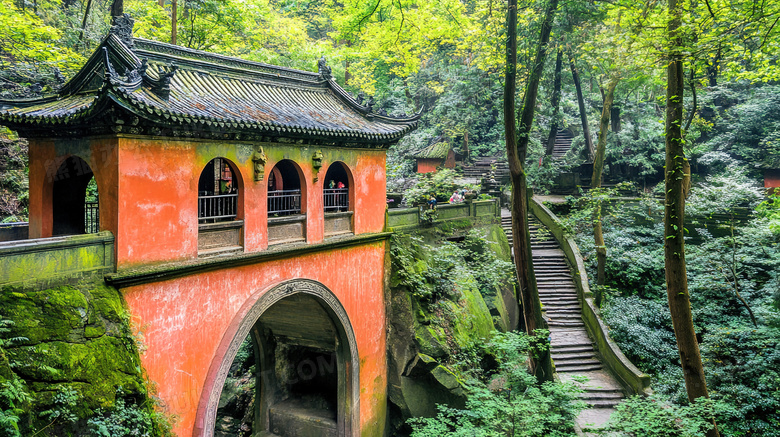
{"x":207,"y":95}
{"x":434,"y":151}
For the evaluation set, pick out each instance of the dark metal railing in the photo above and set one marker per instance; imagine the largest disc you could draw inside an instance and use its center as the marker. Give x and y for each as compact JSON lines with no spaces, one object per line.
{"x":91,"y":218}
{"x":336,"y":199}
{"x":217,"y":207}
{"x":284,"y":202}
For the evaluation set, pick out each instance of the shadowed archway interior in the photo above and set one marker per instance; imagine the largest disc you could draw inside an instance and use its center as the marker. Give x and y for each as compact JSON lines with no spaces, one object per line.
{"x":303,"y":365}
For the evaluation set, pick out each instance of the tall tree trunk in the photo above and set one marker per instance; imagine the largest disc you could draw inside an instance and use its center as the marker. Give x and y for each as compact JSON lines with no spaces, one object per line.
{"x":598,"y":171}
{"x":674,"y":216}
{"x":117,"y":8}
{"x":556,"y":103}
{"x":583,"y":113}
{"x":174,"y":20}
{"x":517,"y":138}
{"x":84,"y":21}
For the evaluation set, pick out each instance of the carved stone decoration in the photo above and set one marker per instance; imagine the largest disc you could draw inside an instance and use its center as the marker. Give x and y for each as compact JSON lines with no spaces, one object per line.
{"x":361,"y":97}
{"x":322,"y":67}
{"x":133,"y":75}
{"x":110,"y":72}
{"x":316,"y":163}
{"x":259,"y":159}
{"x":122,"y":27}
{"x":163,"y":87}
{"x":144,"y":66}
{"x":370,"y":104}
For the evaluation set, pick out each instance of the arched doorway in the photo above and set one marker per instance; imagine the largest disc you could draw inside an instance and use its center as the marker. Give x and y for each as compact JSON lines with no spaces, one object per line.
{"x":219,"y":220}
{"x":337,"y":186}
{"x":75,"y":199}
{"x":284,"y":189}
{"x":286,"y":204}
{"x":338,"y":200}
{"x":305,"y":362}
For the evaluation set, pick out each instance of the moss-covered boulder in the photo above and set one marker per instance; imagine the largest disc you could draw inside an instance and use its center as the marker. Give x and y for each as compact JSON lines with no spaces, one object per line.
{"x":443,"y":298}
{"x":70,"y":353}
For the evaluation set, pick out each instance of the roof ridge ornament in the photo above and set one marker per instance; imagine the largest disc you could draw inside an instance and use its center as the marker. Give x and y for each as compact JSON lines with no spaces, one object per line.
{"x":163,"y":86}
{"x":323,"y":69}
{"x":110,"y":72}
{"x":122,"y":27}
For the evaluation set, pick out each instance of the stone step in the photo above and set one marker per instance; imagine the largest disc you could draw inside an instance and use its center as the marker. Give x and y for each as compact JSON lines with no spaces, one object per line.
{"x":603,"y":403}
{"x":571,"y":348}
{"x":610,"y":395}
{"x":578,"y":369}
{"x":564,"y":324}
{"x":291,"y":418}
{"x":564,"y":317}
{"x":569,"y":356}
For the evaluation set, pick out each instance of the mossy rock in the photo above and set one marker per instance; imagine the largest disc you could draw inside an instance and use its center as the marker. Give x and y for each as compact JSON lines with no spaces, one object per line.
{"x":77,"y":341}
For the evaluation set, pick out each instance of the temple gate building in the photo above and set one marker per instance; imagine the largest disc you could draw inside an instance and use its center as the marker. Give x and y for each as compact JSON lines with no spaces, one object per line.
{"x":241,"y":199}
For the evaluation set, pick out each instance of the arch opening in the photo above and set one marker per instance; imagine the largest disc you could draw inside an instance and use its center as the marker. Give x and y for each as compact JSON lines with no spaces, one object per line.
{"x":217,"y":192}
{"x":284,"y":189}
{"x":219,"y":212}
{"x":336,"y":192}
{"x":75,"y":203}
{"x":294,"y":372}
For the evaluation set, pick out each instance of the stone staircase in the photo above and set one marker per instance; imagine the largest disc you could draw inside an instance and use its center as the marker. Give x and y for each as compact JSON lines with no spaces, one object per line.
{"x":562,"y":143}
{"x":572,"y":350}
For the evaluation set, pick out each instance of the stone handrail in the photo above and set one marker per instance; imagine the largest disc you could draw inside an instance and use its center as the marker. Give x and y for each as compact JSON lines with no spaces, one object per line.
{"x":13,"y":231}
{"x":406,"y":218}
{"x":624,"y":370}
{"x":49,"y":258}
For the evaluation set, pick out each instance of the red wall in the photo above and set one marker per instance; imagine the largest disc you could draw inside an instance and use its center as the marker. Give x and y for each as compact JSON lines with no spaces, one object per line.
{"x":428,"y":165}
{"x":148,"y":191}
{"x":183,"y":321}
{"x":771,"y":178}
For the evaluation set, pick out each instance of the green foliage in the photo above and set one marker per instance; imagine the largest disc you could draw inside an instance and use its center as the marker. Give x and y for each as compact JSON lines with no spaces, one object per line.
{"x":13,"y":397}
{"x":29,"y":49}
{"x":643,"y":328}
{"x":652,"y":417}
{"x":433,"y":272}
{"x":440,"y":184}
{"x":507,"y":401}
{"x":64,"y":404}
{"x":770,"y":211}
{"x":747,"y":124}
{"x":123,"y":420}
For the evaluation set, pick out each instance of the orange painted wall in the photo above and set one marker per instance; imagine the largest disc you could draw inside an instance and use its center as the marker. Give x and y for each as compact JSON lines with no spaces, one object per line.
{"x":184,"y":320}
{"x":428,"y":165}
{"x":46,"y":156}
{"x":148,"y":190}
{"x":158,"y":194}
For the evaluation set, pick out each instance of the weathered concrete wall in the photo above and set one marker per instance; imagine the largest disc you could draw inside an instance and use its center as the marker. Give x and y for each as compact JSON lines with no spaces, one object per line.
{"x":13,"y":231}
{"x":478,"y":212}
{"x":185,"y":322}
{"x":46,"y":258}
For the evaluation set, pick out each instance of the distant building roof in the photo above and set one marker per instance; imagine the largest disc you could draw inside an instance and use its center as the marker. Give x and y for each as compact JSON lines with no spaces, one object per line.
{"x":137,"y":86}
{"x":434,"y":151}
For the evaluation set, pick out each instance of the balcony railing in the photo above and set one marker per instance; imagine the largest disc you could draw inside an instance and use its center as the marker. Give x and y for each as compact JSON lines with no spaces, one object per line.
{"x":217,"y":207}
{"x":91,"y":218}
{"x":336,"y":199}
{"x":284,"y":202}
